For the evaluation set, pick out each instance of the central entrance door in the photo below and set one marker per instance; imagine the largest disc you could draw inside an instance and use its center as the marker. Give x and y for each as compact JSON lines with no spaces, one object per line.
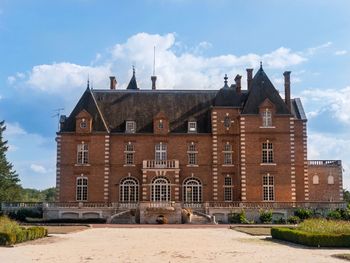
{"x":160,"y":189}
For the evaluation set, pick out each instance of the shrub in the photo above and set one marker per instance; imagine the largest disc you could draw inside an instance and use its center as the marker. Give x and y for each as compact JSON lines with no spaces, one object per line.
{"x":335,"y":215}
{"x":281,"y":221}
{"x":238,"y":218}
{"x":293,"y":220}
{"x":303,"y":213}
{"x":265,"y":216}
{"x":23,"y":213}
{"x":324,"y":226}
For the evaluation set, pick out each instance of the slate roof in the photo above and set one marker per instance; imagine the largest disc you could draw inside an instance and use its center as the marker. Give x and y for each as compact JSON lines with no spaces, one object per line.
{"x":132,"y":84}
{"x":110,"y":109}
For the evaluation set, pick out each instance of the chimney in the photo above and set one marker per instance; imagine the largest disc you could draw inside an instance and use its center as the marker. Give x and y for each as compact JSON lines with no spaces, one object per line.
{"x":286,"y":75}
{"x":153,"y":79}
{"x":238,"y":83}
{"x":249,"y":77}
{"x":113,"y":82}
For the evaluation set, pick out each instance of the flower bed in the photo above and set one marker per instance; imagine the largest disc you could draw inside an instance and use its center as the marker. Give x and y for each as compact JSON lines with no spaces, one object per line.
{"x":12,"y":233}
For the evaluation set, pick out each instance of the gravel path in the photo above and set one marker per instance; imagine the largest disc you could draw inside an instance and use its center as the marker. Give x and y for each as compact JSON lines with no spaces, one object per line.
{"x":161,"y":245}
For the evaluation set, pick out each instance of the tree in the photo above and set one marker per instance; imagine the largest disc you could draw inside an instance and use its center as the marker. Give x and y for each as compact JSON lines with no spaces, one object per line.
{"x":10,"y":189}
{"x":346,"y":196}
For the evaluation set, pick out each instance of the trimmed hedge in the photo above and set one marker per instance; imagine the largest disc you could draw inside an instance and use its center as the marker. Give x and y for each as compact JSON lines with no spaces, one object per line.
{"x":22,"y":235}
{"x":310,"y":239}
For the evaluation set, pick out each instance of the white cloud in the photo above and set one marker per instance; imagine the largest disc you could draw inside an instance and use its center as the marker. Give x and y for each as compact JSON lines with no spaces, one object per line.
{"x":187,"y":69}
{"x":13,"y":129}
{"x":340,"y":52}
{"x":38,"y":168}
{"x":312,"y":50}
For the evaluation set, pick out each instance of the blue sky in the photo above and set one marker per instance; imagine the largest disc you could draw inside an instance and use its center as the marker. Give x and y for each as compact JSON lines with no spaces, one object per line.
{"x":48,"y":48}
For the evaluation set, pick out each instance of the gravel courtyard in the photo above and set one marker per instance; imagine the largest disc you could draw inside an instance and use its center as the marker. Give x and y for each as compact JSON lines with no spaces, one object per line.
{"x":161,"y":245}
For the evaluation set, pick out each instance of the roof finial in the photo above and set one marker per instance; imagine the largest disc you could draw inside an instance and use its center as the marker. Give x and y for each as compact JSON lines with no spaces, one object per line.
{"x":133,"y":70}
{"x":225,"y":78}
{"x":260,"y":64}
{"x":88,"y":82}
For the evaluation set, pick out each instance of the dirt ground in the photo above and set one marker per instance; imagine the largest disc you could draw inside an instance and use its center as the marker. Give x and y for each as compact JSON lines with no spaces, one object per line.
{"x":162,"y":245}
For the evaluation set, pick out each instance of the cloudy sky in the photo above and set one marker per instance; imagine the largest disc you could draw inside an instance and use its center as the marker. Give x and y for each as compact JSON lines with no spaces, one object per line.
{"x":49,"y":48}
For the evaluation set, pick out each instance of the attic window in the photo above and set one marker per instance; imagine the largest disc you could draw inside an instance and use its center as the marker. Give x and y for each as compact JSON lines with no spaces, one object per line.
{"x":130,"y":127}
{"x":267,"y":118}
{"x":161,"y":124}
{"x":83,"y":124}
{"x":192,"y":126}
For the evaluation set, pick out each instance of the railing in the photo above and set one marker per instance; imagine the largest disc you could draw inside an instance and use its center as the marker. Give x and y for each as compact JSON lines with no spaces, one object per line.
{"x":165,"y":164}
{"x":160,"y":204}
{"x":324,"y":162}
{"x":276,"y":205}
{"x":192,"y":205}
{"x":19,"y":205}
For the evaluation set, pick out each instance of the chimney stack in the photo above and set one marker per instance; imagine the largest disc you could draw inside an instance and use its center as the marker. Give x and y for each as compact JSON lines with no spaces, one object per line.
{"x":113,"y":82}
{"x":249,"y":77}
{"x":238,"y":83}
{"x":286,"y":75}
{"x":153,"y":79}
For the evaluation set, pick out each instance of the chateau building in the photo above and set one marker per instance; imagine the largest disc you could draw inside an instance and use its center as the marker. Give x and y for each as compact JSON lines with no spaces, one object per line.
{"x":149,"y":148}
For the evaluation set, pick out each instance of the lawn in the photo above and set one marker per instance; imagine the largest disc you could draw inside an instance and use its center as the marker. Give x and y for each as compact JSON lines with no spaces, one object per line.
{"x":254,"y":231}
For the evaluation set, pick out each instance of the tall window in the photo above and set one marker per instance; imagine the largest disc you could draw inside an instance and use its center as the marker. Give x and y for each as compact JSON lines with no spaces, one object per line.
{"x":129,"y":152}
{"x":228,"y":189}
{"x":227,"y":153}
{"x":267,"y":118}
{"x":192,"y":153}
{"x":161,"y":124}
{"x":192,"y":126}
{"x":315,"y":179}
{"x":192,"y":191}
{"x":129,"y":190}
{"x":83,"y":153}
{"x":83,"y":124}
{"x":160,"y":152}
{"x":267,"y":152}
{"x":82,"y":189}
{"x":160,"y":189}
{"x":130,"y":127}
{"x":330,"y":179}
{"x":268,"y":188}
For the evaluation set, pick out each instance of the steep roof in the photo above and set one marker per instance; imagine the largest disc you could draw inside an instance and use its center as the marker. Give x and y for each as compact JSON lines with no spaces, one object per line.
{"x":261,"y":89}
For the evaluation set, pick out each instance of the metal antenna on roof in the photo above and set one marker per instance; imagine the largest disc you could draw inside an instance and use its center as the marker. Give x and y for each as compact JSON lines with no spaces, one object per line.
{"x":57,"y":114}
{"x":154,"y":60}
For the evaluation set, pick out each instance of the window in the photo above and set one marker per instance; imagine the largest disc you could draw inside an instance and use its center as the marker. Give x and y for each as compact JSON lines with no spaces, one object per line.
{"x":268,"y":188}
{"x":82,"y":188}
{"x":160,"y":152}
{"x":228,"y":189}
{"x":129,"y":152}
{"x":227,"y":122}
{"x":129,"y":190}
{"x":130,"y":127}
{"x":83,"y":124}
{"x":160,"y":124}
{"x":315,"y":179}
{"x":227,"y":153}
{"x":192,"y":191}
{"x":160,"y":189}
{"x":83,"y":153}
{"x":330,"y":179}
{"x":267,"y":118}
{"x":267,"y":152}
{"x":192,"y":153}
{"x":192,"y":126}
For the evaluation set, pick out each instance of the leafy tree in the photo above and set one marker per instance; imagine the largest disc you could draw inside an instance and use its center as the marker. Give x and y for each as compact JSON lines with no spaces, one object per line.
{"x":33,"y":195}
{"x":346,"y":196}
{"x":9,"y":181}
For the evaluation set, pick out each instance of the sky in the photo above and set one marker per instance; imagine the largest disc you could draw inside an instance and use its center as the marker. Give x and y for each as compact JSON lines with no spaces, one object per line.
{"x":48,"y":49}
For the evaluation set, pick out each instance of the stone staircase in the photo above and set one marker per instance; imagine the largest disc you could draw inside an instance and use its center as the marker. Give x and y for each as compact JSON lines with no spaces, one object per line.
{"x":200,"y":218}
{"x":124,"y":217}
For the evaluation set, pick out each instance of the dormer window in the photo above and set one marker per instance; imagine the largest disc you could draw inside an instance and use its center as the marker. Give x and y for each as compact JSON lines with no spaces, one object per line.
{"x":130,"y":127}
{"x":83,"y":124}
{"x":161,"y":124}
{"x":267,"y":118}
{"x":192,"y":126}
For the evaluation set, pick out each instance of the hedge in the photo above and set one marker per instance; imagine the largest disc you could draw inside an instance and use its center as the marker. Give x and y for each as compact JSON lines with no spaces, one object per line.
{"x":310,"y":239}
{"x":24,"y":234}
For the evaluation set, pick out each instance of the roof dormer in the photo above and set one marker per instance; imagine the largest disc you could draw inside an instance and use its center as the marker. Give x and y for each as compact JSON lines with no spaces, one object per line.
{"x":83,"y":122}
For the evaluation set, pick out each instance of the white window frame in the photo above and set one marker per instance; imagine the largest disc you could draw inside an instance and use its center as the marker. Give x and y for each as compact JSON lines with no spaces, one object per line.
{"x":129,"y":154}
{"x":267,"y":152}
{"x":227,"y":152}
{"x":160,"y":151}
{"x":160,"y":189}
{"x":268,"y":187}
{"x":130,"y":126}
{"x":82,"y":153}
{"x":228,"y":194}
{"x":192,"y":126}
{"x":192,"y":153}
{"x":192,"y":190}
{"x":267,"y":118}
{"x":82,"y":188}
{"x":129,"y":190}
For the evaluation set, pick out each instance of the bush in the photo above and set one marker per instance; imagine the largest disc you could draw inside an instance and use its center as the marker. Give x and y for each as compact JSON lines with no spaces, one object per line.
{"x":238,"y":218}
{"x":23,"y":213}
{"x":303,"y":213}
{"x":280,"y":221}
{"x":293,"y":220}
{"x":335,"y":215}
{"x":265,"y":216}
{"x":310,"y":239}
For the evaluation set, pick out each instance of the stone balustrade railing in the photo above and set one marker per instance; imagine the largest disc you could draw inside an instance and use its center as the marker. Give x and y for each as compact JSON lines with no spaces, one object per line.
{"x":324,"y":162}
{"x":160,"y":164}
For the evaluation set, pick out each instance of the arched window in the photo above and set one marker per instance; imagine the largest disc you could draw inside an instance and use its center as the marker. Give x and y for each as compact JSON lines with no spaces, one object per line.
{"x":192,"y":191}
{"x":129,"y":190}
{"x":160,"y":189}
{"x":331,"y":179}
{"x":315,"y":179}
{"x":82,"y":189}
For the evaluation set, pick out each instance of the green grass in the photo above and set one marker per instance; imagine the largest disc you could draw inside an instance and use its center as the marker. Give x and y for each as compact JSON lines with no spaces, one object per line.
{"x":324,"y":226}
{"x":254,"y":231}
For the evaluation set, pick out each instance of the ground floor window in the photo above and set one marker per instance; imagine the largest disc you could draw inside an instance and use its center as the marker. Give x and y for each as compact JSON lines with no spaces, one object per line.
{"x":129,"y":190}
{"x":192,"y":190}
{"x":228,"y":189}
{"x":268,"y":188}
{"x":82,"y":189}
{"x":160,"y":189}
